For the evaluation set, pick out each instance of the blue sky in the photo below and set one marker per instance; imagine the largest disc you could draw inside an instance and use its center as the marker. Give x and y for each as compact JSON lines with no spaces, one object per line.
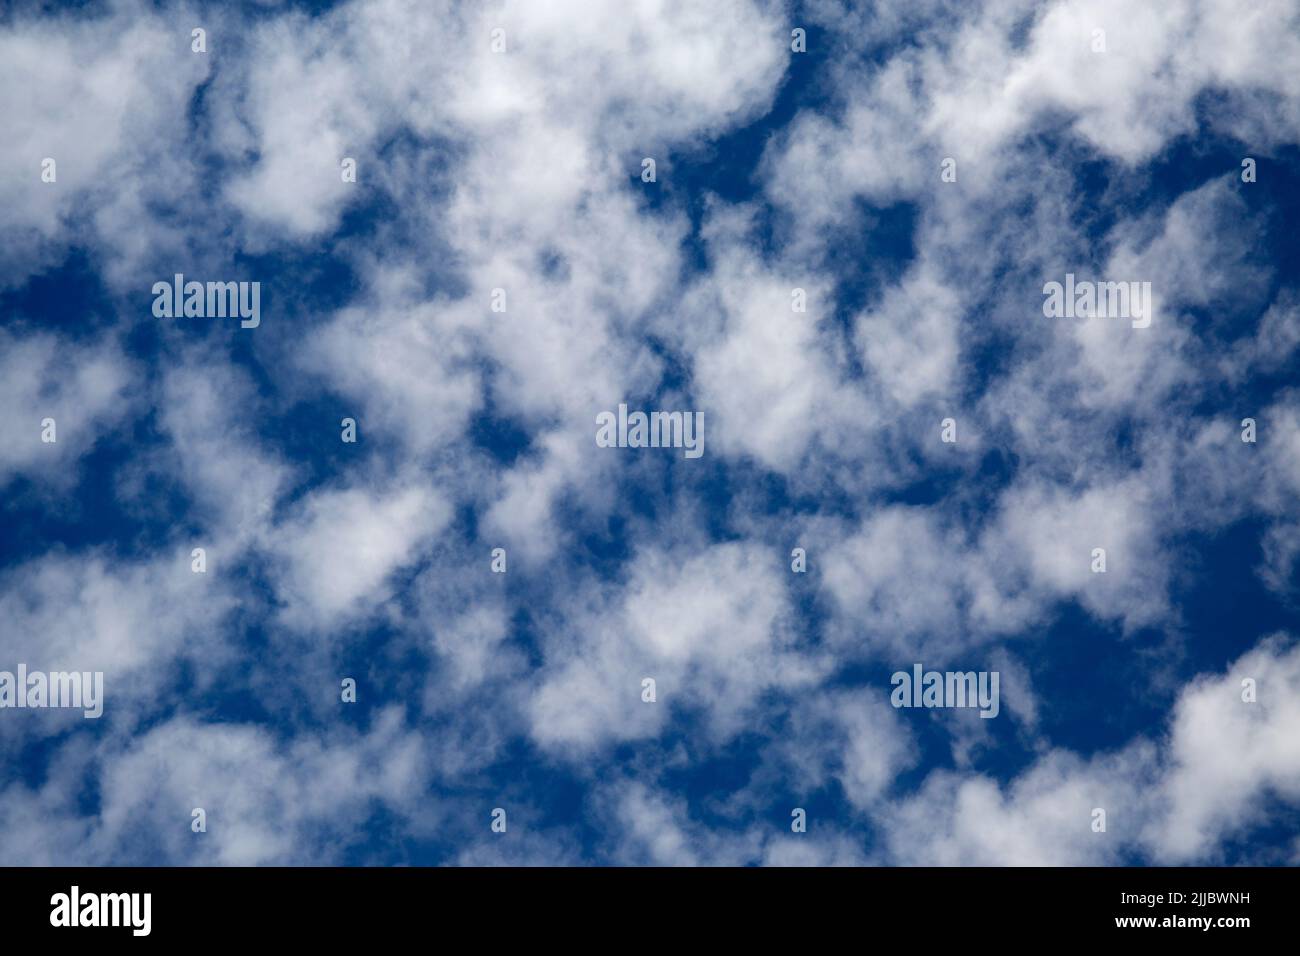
{"x":1115,"y":156}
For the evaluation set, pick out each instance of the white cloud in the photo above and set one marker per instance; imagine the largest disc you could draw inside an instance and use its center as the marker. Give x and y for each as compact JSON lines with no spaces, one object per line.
{"x":265,"y":802}
{"x":712,"y":629}
{"x":1226,"y":754}
{"x":105,"y":97}
{"x":85,"y":389}
{"x":340,"y":547}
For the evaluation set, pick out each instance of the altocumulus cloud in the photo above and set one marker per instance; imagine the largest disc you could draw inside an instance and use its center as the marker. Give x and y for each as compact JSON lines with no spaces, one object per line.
{"x":360,"y":574}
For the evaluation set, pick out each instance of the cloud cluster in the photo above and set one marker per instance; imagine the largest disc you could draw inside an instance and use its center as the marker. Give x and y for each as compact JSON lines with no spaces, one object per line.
{"x":499,"y":273}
